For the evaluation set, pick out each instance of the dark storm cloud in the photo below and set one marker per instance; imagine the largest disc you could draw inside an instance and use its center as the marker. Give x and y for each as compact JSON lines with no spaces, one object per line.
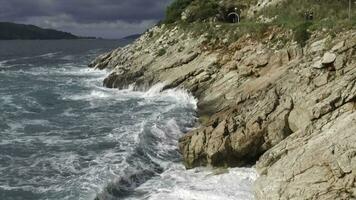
{"x":113,"y":18}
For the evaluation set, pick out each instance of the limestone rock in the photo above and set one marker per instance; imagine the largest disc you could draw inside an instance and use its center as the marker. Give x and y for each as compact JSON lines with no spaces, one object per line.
{"x":262,"y":60}
{"x":340,"y":62}
{"x":338,"y":46}
{"x":318,"y":65}
{"x":256,"y":103}
{"x":246,"y":71}
{"x":317,"y":46}
{"x":299,"y":119}
{"x":321,"y":80}
{"x":328,"y":58}
{"x":319,"y":166}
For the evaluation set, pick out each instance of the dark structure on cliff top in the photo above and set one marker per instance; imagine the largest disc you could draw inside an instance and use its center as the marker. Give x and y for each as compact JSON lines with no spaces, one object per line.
{"x":234,"y":16}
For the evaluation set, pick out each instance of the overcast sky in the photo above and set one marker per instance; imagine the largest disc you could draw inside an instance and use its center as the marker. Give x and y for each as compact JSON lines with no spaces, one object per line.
{"x":100,"y":18}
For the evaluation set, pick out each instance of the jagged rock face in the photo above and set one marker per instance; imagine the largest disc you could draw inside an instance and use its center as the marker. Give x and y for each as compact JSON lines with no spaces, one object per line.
{"x":317,"y":163}
{"x":237,"y":137}
{"x":285,"y":108}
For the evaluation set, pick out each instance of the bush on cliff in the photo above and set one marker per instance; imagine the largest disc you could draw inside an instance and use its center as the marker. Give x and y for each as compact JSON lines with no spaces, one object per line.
{"x":201,"y":10}
{"x":175,"y":10}
{"x":330,"y":14}
{"x":198,"y":10}
{"x":161,"y":52}
{"x":301,"y":33}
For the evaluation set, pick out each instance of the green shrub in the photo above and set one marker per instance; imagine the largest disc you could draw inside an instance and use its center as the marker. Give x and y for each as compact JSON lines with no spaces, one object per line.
{"x":203,"y":9}
{"x":301,"y":33}
{"x":175,"y":10}
{"x":150,"y":34}
{"x":199,"y":10}
{"x":161,"y":52}
{"x":328,"y":14}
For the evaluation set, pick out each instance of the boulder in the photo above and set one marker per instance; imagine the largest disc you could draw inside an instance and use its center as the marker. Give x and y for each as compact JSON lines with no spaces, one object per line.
{"x":262,"y":60}
{"x":338,"y":46}
{"x":317,"y":46}
{"x":318,"y":65}
{"x":328,"y":58}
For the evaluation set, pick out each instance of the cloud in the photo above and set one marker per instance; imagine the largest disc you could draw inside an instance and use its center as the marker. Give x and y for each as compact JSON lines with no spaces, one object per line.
{"x":107,"y":29}
{"x":104,"y":18}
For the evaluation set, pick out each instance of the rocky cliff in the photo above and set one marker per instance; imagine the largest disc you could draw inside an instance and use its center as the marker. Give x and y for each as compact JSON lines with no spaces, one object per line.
{"x":288,"y":110}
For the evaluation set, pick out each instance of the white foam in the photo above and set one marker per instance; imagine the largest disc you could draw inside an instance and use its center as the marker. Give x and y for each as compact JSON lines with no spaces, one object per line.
{"x":68,"y":57}
{"x":180,"y":96}
{"x":177,"y":183}
{"x":2,"y":63}
{"x":167,"y":138}
{"x":47,"y":55}
{"x":68,"y":69}
{"x":69,"y":113}
{"x":98,"y":95}
{"x":36,"y":122}
{"x":154,"y":90}
{"x":200,"y":184}
{"x":6,"y":99}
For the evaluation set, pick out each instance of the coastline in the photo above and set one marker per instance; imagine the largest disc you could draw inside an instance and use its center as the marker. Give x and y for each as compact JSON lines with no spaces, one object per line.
{"x":257,"y":102}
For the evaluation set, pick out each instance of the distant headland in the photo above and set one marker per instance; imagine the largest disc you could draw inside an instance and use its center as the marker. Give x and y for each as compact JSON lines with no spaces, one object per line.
{"x":13,"y":31}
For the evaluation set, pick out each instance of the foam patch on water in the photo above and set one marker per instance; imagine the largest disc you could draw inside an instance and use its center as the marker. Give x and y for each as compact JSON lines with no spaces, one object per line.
{"x":154,"y":90}
{"x":176,"y":96}
{"x":47,"y":55}
{"x":68,"y":57}
{"x":68,"y":69}
{"x":2,"y":63}
{"x":93,"y":95}
{"x":177,"y":183}
{"x":181,"y":96}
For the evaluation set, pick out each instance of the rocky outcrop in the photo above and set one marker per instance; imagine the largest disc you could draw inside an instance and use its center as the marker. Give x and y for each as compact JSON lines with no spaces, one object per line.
{"x":314,"y":163}
{"x":291,"y":109}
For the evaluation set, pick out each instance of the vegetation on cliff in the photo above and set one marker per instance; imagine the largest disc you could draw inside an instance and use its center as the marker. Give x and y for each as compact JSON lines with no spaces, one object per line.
{"x":329,"y":16}
{"x":193,"y":10}
{"x":175,"y":10}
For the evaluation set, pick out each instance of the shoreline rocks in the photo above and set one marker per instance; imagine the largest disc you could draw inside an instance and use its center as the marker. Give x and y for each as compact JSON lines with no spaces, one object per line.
{"x":257,"y":104}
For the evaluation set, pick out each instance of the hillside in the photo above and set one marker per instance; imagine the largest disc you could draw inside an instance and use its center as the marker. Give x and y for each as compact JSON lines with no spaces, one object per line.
{"x":12,"y":31}
{"x":276,"y":91}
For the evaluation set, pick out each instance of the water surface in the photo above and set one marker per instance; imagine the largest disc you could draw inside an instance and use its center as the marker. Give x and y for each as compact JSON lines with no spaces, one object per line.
{"x":64,"y":136}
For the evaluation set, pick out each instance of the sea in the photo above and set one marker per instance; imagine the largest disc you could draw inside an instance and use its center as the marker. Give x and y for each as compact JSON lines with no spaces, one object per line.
{"x":65,"y":136}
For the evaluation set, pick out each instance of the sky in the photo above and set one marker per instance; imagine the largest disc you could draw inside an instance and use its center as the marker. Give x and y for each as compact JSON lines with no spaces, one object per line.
{"x":99,"y":18}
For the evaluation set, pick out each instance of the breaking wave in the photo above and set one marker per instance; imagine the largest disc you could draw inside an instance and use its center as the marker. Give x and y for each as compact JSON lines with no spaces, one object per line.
{"x":64,"y":136}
